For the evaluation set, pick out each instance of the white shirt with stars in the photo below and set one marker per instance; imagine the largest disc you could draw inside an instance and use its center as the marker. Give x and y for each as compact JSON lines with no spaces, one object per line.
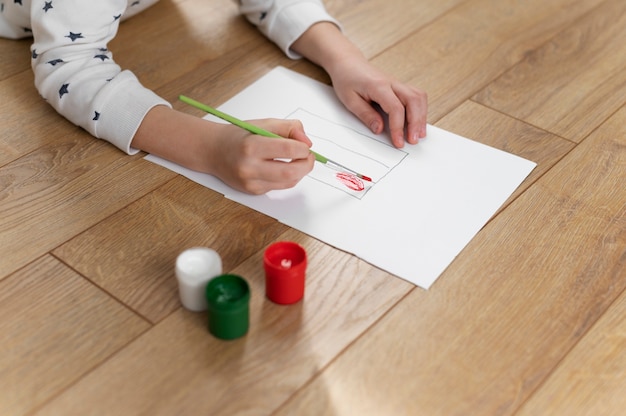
{"x":75,"y":71}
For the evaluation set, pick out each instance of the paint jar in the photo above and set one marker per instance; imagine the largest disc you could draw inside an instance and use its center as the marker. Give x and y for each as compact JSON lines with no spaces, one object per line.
{"x":194,"y":268}
{"x":228,"y":298}
{"x":285,"y":268}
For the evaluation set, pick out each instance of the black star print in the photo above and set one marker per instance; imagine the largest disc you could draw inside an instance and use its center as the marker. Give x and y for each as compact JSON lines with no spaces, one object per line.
{"x":34,"y":54}
{"x":117,"y":17}
{"x":74,"y":36}
{"x":63,"y":90}
{"x":47,"y":6}
{"x":55,"y":61}
{"x":102,"y":57}
{"x":263,"y":15}
{"x":1,"y":7}
{"x":135,"y":3}
{"x":27,"y":30}
{"x":96,"y":117}
{"x":17,"y":2}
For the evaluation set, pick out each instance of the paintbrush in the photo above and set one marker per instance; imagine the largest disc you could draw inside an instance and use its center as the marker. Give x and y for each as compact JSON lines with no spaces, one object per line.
{"x":262,"y":132}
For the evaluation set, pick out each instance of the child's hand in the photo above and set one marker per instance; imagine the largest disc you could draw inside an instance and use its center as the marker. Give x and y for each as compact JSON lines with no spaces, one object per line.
{"x":358,"y":85}
{"x":248,"y":162}
{"x":244,"y":161}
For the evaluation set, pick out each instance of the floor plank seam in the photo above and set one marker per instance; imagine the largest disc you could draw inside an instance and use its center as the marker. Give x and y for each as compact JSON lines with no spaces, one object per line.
{"x":89,"y":371}
{"x":103,"y":290}
{"x":559,"y":362}
{"x":340,"y":353}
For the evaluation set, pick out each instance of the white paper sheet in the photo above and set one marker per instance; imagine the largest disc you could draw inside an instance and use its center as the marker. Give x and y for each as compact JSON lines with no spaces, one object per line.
{"x":425,"y":203}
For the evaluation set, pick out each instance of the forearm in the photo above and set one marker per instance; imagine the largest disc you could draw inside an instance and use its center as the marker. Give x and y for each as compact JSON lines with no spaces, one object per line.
{"x":325,"y":45}
{"x":359,"y":85}
{"x":247,"y":162}
{"x":76,"y":74}
{"x":178,"y":137}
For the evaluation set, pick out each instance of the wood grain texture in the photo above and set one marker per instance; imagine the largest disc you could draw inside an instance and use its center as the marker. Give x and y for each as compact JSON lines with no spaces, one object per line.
{"x":574,"y":82}
{"x":15,"y":57}
{"x":171,"y":39}
{"x":62,"y":189}
{"x":54,"y":328}
{"x":179,"y":368}
{"x":591,"y":379}
{"x":374,"y":25}
{"x":503,"y":316}
{"x":527,"y":319}
{"x":132,"y":253}
{"x":27,"y":121}
{"x":465,"y":49}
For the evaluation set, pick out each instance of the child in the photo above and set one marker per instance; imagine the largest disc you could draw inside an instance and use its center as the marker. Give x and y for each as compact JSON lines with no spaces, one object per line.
{"x":75,"y":72}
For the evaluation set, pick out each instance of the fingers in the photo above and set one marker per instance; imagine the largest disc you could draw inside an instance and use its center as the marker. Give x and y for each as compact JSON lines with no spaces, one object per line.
{"x":405,"y":105}
{"x":365,"y":112}
{"x":407,"y":108}
{"x":277,"y":174}
{"x":266,"y":164}
{"x":267,"y":148}
{"x":289,"y":129}
{"x":416,"y":109}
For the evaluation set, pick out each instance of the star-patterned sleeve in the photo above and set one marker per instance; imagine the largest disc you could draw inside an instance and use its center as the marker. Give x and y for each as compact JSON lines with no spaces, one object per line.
{"x":284,"y":21}
{"x":75,"y":71}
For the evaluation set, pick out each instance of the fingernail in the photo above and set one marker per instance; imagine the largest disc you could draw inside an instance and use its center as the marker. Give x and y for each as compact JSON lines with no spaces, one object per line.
{"x":375,"y":126}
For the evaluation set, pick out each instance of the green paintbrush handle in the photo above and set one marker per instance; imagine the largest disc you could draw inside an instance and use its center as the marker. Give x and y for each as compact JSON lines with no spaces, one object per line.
{"x":240,"y":123}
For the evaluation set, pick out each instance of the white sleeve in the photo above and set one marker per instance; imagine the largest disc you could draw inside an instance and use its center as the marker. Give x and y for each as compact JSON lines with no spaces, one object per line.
{"x":284,"y":21}
{"x":75,"y":71}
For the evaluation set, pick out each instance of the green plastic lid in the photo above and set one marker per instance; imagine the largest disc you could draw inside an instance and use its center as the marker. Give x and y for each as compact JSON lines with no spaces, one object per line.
{"x":228,"y":298}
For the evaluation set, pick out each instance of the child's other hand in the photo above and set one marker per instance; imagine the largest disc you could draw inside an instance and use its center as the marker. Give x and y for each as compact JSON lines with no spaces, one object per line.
{"x":248,"y":162}
{"x":358,"y":84}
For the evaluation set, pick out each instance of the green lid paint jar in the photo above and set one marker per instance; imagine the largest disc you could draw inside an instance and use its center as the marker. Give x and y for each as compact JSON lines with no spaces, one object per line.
{"x":228,"y":299}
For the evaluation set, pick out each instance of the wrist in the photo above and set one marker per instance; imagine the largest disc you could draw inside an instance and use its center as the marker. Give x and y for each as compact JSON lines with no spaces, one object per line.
{"x":178,"y":137}
{"x":325,"y":45}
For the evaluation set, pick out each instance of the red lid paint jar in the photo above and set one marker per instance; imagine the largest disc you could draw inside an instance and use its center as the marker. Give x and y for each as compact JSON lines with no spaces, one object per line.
{"x":285,"y":268}
{"x":228,"y":299}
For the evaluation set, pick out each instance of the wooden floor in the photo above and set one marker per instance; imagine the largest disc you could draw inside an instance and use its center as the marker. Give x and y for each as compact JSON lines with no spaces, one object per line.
{"x":528,"y":320}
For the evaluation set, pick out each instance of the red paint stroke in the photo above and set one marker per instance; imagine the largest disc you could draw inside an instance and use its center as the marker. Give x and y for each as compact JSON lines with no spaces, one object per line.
{"x":351,"y":181}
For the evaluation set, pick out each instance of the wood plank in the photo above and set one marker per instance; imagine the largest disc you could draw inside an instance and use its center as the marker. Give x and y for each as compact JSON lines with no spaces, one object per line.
{"x":179,"y":368}
{"x":173,"y":38}
{"x":216,"y":81}
{"x":27,"y":121}
{"x":63,"y":188}
{"x":132,"y":253}
{"x":574,"y":82}
{"x":590,"y":380}
{"x":54,"y":328}
{"x":373,"y":25}
{"x":15,"y":57}
{"x":463,"y":51}
{"x":508,"y":309}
